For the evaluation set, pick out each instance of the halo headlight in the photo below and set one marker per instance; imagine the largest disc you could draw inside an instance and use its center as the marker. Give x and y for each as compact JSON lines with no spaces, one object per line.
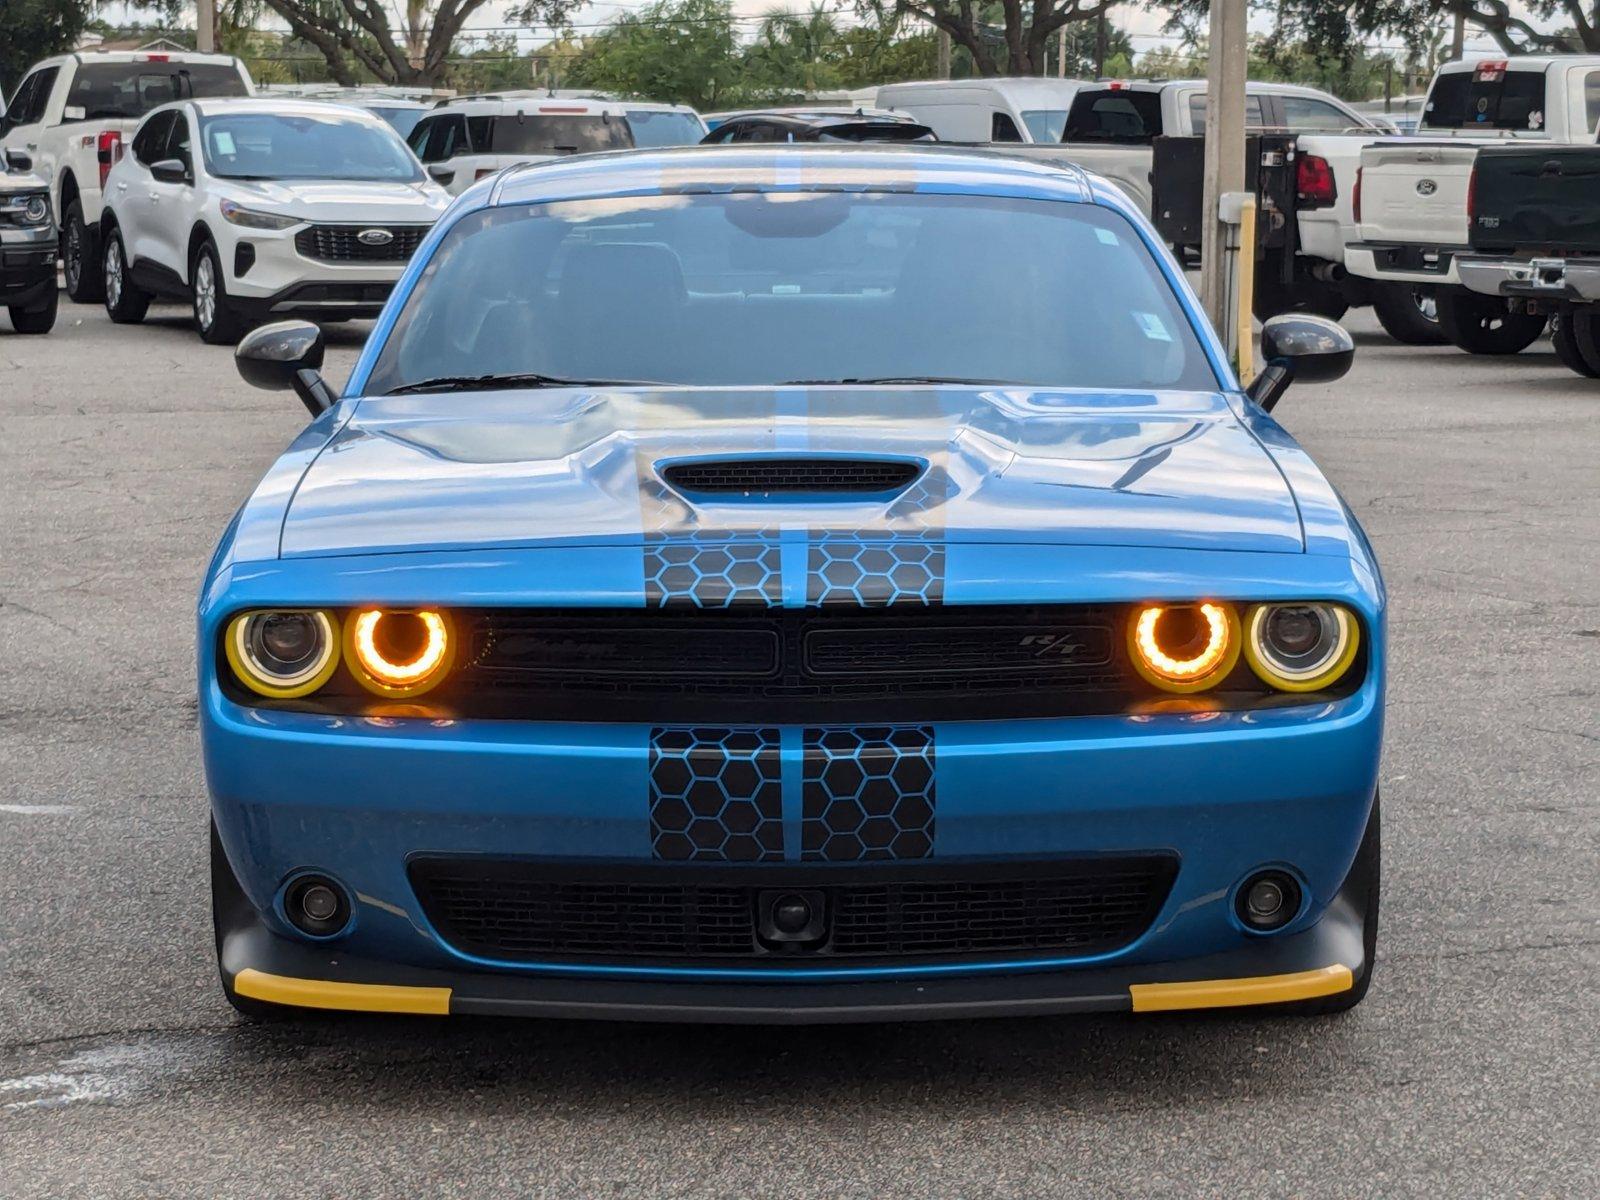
{"x":1300,"y":647}
{"x":283,"y":653}
{"x":1184,"y":647}
{"x":399,"y":652}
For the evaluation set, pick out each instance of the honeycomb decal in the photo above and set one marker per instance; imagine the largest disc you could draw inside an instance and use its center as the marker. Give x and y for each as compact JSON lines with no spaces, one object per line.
{"x":716,"y":795}
{"x":867,"y":793}
{"x":706,"y":574}
{"x":846,"y":568}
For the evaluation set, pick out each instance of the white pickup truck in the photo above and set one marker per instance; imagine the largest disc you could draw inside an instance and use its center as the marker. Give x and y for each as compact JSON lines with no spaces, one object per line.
{"x":71,"y":114}
{"x":1409,"y":218}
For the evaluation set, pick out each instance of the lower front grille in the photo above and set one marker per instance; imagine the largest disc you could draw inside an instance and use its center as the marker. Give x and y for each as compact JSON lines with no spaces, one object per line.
{"x":515,"y":910}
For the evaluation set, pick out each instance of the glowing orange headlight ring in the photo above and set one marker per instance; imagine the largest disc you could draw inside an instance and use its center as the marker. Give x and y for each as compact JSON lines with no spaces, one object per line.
{"x":398,"y":680}
{"x":1205,"y":669}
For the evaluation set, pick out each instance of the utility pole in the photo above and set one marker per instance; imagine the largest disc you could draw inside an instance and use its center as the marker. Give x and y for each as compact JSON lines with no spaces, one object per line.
{"x":205,"y":26}
{"x":1224,"y":151}
{"x":1458,"y":41}
{"x":944,"y":55}
{"x":1100,"y":45}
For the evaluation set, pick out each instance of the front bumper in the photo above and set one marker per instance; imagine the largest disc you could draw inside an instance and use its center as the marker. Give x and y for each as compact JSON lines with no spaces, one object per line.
{"x":268,"y":278}
{"x":1572,"y":279}
{"x":27,"y":266}
{"x":1403,"y":263}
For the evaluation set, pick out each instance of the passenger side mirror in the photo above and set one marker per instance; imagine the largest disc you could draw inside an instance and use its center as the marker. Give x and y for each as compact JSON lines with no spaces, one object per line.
{"x":287,"y":354}
{"x":18,"y":160}
{"x":443,"y":176}
{"x":170,"y":170}
{"x":1299,"y":347}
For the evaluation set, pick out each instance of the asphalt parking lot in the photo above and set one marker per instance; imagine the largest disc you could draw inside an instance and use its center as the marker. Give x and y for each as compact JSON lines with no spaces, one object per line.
{"x":1471,"y":1069}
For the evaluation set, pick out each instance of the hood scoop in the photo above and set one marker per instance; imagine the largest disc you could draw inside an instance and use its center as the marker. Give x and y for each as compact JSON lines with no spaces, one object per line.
{"x":768,"y":475}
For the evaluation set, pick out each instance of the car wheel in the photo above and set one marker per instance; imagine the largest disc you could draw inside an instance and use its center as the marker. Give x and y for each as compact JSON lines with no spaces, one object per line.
{"x":1272,"y":297}
{"x":1364,"y":873}
{"x":215,"y":318}
{"x":1579,"y":330}
{"x":225,"y":895}
{"x":80,"y":258}
{"x":1483,"y":324}
{"x":37,"y":320}
{"x":1409,"y":313}
{"x":126,"y":302}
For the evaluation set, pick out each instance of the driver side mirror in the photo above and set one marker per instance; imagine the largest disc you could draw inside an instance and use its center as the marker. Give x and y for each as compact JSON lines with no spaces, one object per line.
{"x":171,"y":170}
{"x":1297,"y":346}
{"x":18,"y":160}
{"x":443,"y":176}
{"x":287,"y":354}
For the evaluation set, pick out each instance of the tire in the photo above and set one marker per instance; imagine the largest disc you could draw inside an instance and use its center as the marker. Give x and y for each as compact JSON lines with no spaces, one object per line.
{"x":1483,"y":325}
{"x":215,"y":319}
{"x":1409,"y":313}
{"x":1583,"y":325}
{"x":37,"y":320}
{"x":1364,"y":873}
{"x":1565,"y":341}
{"x":80,"y":258}
{"x":1272,"y":297}
{"x":225,"y":896}
{"x":126,"y":302}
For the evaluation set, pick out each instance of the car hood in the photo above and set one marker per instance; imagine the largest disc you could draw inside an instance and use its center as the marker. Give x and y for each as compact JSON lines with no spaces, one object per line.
{"x":573,"y":467}
{"x":344,"y":200}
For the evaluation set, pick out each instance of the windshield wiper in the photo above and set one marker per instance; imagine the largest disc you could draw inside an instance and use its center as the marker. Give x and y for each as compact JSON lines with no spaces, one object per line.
{"x":483,"y":383}
{"x":856,"y":379}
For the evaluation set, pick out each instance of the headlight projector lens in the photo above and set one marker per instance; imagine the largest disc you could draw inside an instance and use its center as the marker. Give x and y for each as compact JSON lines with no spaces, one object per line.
{"x":283,"y":653}
{"x":1184,"y":647}
{"x":399,"y":653}
{"x":1300,"y":647}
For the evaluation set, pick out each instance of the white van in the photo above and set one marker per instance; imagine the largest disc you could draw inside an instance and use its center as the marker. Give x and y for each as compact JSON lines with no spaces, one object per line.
{"x":986,"y":110}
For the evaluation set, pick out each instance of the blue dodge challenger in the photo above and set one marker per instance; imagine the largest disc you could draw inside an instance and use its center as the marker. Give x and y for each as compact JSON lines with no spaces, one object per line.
{"x":793,"y":584}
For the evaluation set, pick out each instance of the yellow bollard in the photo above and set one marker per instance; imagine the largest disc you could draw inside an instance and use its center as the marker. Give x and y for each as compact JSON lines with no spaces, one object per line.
{"x":1244,"y":317}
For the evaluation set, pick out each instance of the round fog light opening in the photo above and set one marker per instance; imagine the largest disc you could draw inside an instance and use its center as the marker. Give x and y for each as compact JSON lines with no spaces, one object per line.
{"x":1268,"y":901}
{"x":316,"y":906}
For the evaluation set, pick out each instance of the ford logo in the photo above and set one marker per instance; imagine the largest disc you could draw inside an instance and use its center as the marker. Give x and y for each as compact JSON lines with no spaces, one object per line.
{"x":374,"y":237}
{"x":1425,"y":187}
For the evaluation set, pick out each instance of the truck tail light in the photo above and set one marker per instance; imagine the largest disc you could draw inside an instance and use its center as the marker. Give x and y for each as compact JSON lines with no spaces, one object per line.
{"x":1313,"y":181}
{"x":484,"y":173}
{"x":107,"y":151}
{"x":1355,"y":198}
{"x":1472,"y":196}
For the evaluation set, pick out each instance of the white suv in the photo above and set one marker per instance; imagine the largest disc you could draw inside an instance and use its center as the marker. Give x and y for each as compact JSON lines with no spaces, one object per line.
{"x":467,"y":139}
{"x":254,"y":209}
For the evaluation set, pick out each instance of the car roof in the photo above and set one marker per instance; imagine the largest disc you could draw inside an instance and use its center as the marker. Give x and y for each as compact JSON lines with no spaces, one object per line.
{"x":1520,"y":62}
{"x":90,"y":57}
{"x":815,"y":120}
{"x":857,"y":111}
{"x":797,"y":166}
{"x":1011,"y":85}
{"x":531,"y":104}
{"x":282,"y":105}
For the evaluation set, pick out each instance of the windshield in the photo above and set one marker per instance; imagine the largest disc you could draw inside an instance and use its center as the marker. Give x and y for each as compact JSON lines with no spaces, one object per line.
{"x":545,"y":135}
{"x":263,"y":145}
{"x":107,"y":91}
{"x":1114,"y":115}
{"x":664,"y":128}
{"x":401,"y":120}
{"x":1045,"y":124}
{"x":770,"y":288}
{"x":1486,"y":99}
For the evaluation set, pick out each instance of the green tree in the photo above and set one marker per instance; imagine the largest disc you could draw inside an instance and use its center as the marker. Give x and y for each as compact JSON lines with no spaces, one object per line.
{"x":683,"y":51}
{"x":35,"y":29}
{"x":795,"y":52}
{"x":1025,"y":31}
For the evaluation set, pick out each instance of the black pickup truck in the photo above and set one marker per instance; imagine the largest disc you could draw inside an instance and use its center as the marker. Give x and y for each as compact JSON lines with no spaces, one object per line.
{"x":1533,"y":224}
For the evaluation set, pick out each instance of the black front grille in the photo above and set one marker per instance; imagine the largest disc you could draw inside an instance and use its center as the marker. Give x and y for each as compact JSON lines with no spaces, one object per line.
{"x":820,"y":666}
{"x":343,"y":243}
{"x":519,"y":910}
{"x":769,"y":476}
